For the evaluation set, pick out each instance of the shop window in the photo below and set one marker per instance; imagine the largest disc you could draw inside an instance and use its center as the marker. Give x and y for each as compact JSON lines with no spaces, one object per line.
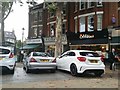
{"x":91,"y":23}
{"x":76,"y":24}
{"x":82,"y":24}
{"x":99,"y":22}
{"x":81,"y":5}
{"x":91,"y":3}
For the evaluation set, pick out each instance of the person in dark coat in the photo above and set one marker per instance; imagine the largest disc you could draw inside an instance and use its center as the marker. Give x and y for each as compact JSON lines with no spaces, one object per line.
{"x":111,"y":57}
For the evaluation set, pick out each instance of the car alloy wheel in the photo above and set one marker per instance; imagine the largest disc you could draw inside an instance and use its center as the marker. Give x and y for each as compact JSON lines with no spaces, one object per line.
{"x":73,"y":70}
{"x":27,"y":70}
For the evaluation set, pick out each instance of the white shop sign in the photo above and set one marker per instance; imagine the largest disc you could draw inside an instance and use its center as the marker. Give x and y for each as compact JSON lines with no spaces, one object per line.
{"x":31,"y":41}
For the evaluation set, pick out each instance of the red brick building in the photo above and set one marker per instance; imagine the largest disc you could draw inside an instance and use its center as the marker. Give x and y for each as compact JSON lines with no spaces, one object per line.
{"x":85,"y":25}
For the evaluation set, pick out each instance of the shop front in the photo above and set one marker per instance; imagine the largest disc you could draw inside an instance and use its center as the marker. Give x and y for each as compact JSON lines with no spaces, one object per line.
{"x":96,"y":40}
{"x":50,"y":44}
{"x":33,"y":45}
{"x":115,"y":41}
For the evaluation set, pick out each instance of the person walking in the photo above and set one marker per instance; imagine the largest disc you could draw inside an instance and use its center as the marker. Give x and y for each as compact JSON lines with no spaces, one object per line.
{"x":111,"y":57}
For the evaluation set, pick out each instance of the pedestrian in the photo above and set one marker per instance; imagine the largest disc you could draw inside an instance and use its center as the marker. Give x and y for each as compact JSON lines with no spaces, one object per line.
{"x":106,"y":57}
{"x":21,"y":56}
{"x":111,"y":57}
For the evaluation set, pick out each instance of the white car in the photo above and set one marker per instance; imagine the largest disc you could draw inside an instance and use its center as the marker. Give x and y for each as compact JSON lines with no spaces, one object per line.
{"x":39,"y":60}
{"x":81,"y":61}
{"x":7,"y":59}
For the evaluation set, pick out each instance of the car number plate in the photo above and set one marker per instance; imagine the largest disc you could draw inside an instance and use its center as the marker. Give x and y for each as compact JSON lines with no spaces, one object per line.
{"x":44,"y":60}
{"x":93,"y":61}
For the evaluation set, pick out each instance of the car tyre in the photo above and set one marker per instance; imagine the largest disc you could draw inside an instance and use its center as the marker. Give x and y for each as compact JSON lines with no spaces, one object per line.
{"x":24,"y":68}
{"x":73,"y":70}
{"x":52,"y":71}
{"x":98,"y":74}
{"x":27,"y":70}
{"x":12,"y":71}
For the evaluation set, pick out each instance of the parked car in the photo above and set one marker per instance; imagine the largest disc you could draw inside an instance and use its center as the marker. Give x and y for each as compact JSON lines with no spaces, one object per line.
{"x":81,"y":61}
{"x":39,"y":60}
{"x":7,"y":59}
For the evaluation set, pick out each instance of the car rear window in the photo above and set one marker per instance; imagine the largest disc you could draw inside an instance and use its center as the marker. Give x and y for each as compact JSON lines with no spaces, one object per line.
{"x":4,"y":51}
{"x":41,"y":54}
{"x":89,"y":54}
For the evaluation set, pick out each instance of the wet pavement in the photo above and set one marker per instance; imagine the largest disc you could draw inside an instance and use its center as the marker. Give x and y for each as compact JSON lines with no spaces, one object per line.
{"x":20,"y":76}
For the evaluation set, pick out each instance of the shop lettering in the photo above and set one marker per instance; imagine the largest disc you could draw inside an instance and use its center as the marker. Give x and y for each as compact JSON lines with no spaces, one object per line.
{"x":30,"y":41}
{"x":84,"y":36}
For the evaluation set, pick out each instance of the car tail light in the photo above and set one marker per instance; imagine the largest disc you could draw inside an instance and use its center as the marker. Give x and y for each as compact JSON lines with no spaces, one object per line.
{"x":32,"y":60}
{"x":11,"y":55}
{"x":54,"y":61}
{"x":102,"y":58}
{"x":82,"y":59}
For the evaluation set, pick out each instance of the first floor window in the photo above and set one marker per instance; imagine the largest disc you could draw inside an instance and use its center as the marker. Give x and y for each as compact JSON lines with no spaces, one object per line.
{"x":35,"y":32}
{"x":82,"y":24}
{"x":99,"y":22}
{"x":91,"y":23}
{"x":82,"y":5}
{"x":52,"y":30}
{"x":63,"y":28}
{"x":40,"y":30}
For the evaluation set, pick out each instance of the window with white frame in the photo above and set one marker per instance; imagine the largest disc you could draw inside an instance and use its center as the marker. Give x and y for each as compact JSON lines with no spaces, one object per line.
{"x":82,"y":24}
{"x":64,"y":8}
{"x":91,"y":23}
{"x":35,"y":16}
{"x":99,"y":22}
{"x":35,"y":31}
{"x":52,"y":30}
{"x":63,"y":28}
{"x":82,"y":5}
{"x":76,"y":6}
{"x":52,"y":14}
{"x":40,"y":31}
{"x":99,"y":3}
{"x":40,"y":16}
{"x":91,"y":3}
{"x":76,"y":24}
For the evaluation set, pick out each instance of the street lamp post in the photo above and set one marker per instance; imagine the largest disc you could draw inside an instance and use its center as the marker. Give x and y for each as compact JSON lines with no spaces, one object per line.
{"x":22,"y":36}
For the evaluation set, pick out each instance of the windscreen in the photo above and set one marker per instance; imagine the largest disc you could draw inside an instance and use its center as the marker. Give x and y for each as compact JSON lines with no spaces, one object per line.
{"x":89,"y":54}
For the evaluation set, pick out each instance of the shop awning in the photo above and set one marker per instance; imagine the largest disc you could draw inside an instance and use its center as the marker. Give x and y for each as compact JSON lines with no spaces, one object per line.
{"x":29,"y":46}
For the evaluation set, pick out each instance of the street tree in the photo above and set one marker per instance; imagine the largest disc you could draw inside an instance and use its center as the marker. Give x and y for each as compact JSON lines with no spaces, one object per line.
{"x":6,"y":8}
{"x":57,"y":8}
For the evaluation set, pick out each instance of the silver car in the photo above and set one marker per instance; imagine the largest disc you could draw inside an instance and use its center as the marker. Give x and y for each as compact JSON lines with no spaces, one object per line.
{"x":39,"y":60}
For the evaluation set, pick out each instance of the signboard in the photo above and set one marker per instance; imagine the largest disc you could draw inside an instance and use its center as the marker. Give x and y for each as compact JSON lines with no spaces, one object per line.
{"x":33,"y":41}
{"x":87,"y":35}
